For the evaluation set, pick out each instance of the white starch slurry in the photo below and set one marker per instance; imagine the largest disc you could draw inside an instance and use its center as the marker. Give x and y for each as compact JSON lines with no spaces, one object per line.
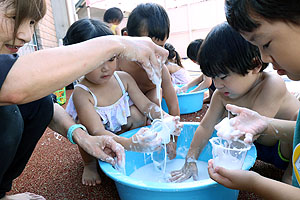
{"x":149,"y":173}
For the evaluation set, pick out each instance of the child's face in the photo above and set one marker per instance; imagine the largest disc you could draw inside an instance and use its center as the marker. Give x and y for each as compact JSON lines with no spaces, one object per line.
{"x":234,"y":85}
{"x":103,"y":73}
{"x":279,"y":44}
{"x":7,"y":23}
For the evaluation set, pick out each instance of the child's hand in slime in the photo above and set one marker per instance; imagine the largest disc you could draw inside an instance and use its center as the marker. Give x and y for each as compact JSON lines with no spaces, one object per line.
{"x":146,"y":141}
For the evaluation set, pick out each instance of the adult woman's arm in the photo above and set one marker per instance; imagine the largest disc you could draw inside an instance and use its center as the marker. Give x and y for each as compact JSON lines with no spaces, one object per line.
{"x":97,"y":146}
{"x":40,"y":73}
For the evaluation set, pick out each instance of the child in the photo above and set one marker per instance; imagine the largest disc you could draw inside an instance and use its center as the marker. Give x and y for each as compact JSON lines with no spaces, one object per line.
{"x":202,"y":81}
{"x":101,"y":102}
{"x":178,"y":74}
{"x":113,"y":16}
{"x":151,"y":20}
{"x":235,"y":67}
{"x":274,"y":27}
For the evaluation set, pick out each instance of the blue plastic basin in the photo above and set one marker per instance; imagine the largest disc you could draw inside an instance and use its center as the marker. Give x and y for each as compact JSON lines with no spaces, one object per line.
{"x":133,"y":189}
{"x":188,"y":102}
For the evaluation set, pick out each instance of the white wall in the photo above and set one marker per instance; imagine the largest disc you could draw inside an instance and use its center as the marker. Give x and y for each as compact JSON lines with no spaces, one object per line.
{"x":193,"y":21}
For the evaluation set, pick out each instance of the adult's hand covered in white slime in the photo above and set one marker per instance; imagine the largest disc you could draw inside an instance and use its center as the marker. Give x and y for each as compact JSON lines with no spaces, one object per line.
{"x":248,"y":122}
{"x":149,"y":55}
{"x":106,"y":150}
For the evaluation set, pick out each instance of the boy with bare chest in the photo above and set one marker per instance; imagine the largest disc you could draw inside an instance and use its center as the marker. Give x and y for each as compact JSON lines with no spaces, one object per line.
{"x":237,"y":71}
{"x":151,"y":20}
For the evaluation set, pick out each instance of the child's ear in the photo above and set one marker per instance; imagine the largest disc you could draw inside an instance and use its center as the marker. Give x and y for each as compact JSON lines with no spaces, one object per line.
{"x":259,"y":65}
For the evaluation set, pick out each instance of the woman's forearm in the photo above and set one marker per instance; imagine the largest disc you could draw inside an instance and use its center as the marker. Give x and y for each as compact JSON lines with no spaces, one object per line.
{"x":40,"y":73}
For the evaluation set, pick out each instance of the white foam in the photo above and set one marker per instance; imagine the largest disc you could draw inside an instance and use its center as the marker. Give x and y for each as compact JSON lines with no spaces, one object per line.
{"x":226,"y":131}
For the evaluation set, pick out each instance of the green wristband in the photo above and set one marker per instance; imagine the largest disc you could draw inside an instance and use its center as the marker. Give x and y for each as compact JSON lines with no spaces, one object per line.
{"x":71,"y":130}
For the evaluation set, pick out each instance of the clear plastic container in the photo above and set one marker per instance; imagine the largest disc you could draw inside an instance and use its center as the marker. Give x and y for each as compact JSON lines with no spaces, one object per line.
{"x":164,"y":128}
{"x":229,"y":154}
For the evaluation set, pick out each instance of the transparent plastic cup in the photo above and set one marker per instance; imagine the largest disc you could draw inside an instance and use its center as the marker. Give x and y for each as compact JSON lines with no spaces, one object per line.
{"x":162,"y":129}
{"x":229,"y":154}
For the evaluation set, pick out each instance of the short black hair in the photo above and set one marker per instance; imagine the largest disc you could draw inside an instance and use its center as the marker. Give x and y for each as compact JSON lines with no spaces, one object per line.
{"x":150,"y":19}
{"x":193,"y":48}
{"x":85,"y":29}
{"x":113,"y":14}
{"x":240,"y":13}
{"x":225,"y":50}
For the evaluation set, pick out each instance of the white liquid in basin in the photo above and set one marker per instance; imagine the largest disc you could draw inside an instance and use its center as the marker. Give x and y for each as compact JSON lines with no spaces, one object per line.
{"x":149,"y":173}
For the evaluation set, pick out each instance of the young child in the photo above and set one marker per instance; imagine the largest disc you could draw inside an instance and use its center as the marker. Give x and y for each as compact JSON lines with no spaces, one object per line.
{"x":178,"y":74}
{"x":237,"y":71}
{"x":113,"y":16}
{"x":102,"y":102}
{"x":274,"y":27}
{"x":151,"y":20}
{"x":202,"y":81}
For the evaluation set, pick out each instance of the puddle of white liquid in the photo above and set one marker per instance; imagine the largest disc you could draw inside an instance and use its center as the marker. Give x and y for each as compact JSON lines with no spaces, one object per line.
{"x":150,"y":173}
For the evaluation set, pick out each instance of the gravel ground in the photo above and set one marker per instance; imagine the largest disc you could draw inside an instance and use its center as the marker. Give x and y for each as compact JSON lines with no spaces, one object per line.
{"x":55,"y":168}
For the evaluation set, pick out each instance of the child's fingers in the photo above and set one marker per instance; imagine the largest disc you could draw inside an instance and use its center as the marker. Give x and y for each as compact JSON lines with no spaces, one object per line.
{"x":248,"y":138}
{"x":149,"y":136}
{"x":117,"y":148}
{"x":216,"y":175}
{"x":234,"y":109}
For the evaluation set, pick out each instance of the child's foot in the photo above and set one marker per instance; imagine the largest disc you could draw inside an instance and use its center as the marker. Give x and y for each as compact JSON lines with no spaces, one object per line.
{"x":23,"y":196}
{"x":90,"y":174}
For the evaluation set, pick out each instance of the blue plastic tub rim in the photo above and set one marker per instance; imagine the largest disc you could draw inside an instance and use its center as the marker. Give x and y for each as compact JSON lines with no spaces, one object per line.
{"x":119,"y":177}
{"x":191,"y":93}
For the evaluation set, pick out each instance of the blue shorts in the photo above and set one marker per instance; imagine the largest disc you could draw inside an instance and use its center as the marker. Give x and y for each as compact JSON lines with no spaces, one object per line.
{"x":272,"y":155}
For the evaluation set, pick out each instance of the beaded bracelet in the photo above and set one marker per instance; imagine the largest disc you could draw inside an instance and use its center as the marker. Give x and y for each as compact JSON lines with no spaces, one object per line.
{"x":71,"y":130}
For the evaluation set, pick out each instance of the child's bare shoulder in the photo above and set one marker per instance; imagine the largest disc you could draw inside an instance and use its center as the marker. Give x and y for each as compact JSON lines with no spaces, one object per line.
{"x":273,"y":81}
{"x":124,"y":76}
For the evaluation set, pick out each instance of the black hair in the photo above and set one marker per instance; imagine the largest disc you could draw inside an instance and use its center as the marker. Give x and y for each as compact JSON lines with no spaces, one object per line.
{"x":240,"y":13}
{"x":193,"y":48}
{"x":149,"y":19}
{"x":85,"y":29}
{"x":173,"y":54}
{"x":112,"y":15}
{"x":30,"y":9}
{"x":225,"y":50}
{"x":123,"y":30}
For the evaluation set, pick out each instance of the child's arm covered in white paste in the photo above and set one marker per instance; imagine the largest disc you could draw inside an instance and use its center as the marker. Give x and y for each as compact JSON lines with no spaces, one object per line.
{"x":147,"y":107}
{"x":204,"y":131}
